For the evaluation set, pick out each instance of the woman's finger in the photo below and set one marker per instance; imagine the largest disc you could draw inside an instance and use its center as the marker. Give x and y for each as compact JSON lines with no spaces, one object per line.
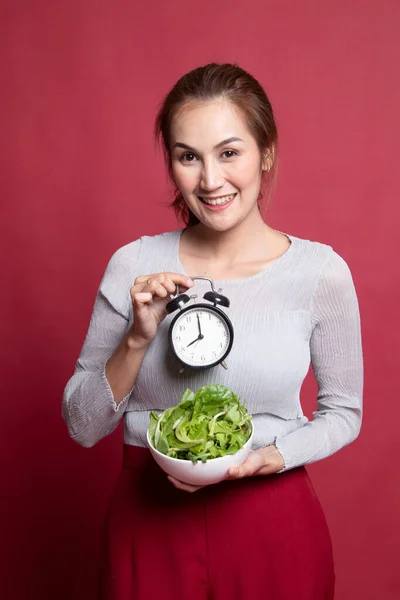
{"x":142,"y":297}
{"x":160,"y":284}
{"x":250,"y":466}
{"x":169,"y":286}
{"x":155,"y":288}
{"x":176,"y":278}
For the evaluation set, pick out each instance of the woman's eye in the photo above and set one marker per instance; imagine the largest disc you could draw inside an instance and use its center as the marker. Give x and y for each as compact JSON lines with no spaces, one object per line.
{"x":187,"y":157}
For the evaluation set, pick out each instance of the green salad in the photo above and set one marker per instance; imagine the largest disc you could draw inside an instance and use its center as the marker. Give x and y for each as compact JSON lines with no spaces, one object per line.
{"x":205,"y":425}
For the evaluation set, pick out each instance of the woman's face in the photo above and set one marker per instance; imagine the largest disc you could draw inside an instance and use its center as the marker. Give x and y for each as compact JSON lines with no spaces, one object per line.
{"x":216,"y":163}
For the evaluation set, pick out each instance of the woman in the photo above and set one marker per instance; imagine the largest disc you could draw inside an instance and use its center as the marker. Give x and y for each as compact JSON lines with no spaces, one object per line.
{"x":261,"y":533}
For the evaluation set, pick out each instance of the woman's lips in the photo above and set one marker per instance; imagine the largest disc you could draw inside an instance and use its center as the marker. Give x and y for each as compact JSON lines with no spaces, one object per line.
{"x":224,"y":202}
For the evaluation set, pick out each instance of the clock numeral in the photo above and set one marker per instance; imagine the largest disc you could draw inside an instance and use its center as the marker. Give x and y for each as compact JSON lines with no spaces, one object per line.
{"x":182,"y":327}
{"x":188,"y":319}
{"x":209,"y":316}
{"x":221,"y":345}
{"x":192,"y":355}
{"x":203,"y":358}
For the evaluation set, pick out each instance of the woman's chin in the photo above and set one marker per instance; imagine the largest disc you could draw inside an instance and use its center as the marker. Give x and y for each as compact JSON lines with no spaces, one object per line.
{"x":224,"y":220}
{"x":220,"y":225}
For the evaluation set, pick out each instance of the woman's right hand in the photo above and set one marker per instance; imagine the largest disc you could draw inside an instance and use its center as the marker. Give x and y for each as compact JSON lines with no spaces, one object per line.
{"x":150,"y":295}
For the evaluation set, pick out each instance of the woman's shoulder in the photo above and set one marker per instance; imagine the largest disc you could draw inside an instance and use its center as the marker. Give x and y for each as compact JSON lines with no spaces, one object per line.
{"x":315,"y":252}
{"x":128,"y":255}
{"x":327,"y":266}
{"x":140,"y":253}
{"x":311,"y":247}
{"x":130,"y":261}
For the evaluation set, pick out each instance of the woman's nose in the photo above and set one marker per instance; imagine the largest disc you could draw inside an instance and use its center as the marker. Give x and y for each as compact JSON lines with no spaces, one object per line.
{"x":211,"y":177}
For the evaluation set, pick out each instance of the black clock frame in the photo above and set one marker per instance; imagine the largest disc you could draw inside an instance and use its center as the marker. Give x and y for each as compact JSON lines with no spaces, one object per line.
{"x":194,"y":307}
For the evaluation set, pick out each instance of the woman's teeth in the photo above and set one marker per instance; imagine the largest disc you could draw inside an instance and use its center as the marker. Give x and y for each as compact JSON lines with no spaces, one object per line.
{"x":221,"y":200}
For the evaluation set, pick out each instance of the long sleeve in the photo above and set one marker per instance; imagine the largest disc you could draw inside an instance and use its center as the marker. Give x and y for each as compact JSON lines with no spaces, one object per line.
{"x":89,"y":408}
{"x":336,"y":358}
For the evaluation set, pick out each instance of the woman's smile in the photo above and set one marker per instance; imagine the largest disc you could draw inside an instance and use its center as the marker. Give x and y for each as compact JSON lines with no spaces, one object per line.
{"x":218,"y":202}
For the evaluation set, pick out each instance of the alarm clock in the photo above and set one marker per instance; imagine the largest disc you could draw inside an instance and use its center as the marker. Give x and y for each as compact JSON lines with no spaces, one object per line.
{"x":200,"y":335}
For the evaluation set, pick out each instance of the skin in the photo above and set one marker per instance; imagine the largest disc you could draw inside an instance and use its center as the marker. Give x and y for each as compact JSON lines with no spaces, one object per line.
{"x":236,"y":242}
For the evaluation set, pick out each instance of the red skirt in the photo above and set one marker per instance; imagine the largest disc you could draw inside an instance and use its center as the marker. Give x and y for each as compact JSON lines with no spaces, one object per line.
{"x":259,"y":538}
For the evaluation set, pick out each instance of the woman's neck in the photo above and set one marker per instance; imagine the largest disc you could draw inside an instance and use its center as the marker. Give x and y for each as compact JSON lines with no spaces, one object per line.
{"x":248,"y":240}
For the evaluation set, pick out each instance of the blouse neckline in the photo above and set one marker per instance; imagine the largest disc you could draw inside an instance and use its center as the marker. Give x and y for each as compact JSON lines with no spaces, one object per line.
{"x":277,"y":263}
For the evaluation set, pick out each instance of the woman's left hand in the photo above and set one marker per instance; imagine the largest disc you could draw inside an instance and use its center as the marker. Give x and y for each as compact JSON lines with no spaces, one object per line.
{"x":265,"y":461}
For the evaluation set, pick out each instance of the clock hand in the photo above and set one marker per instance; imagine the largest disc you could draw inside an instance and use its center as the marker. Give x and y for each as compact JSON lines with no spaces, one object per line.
{"x":194,"y":341}
{"x":198,"y":322}
{"x":199,"y":337}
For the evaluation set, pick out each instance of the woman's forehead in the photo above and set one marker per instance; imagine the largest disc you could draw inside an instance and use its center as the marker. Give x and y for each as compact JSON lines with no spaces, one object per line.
{"x":215,"y":120}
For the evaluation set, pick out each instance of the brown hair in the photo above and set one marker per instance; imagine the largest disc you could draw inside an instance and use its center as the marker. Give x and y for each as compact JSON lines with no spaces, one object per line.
{"x":209,"y":82}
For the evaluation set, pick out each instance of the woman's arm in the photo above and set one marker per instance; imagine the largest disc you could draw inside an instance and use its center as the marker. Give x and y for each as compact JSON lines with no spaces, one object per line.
{"x":90,"y":408}
{"x":336,"y":358}
{"x":96,"y":396}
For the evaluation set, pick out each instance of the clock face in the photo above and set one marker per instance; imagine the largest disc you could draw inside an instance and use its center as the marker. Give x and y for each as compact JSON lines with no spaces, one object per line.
{"x":201,"y":336}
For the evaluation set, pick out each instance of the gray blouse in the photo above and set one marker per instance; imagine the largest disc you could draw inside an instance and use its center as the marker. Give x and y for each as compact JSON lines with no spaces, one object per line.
{"x":301,"y":309}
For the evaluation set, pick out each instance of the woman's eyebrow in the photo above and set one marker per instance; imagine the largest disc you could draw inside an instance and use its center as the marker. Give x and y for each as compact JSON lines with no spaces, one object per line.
{"x":223,"y":143}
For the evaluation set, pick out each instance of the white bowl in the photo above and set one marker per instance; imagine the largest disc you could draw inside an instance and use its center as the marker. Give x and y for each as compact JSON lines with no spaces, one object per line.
{"x":199,"y":473}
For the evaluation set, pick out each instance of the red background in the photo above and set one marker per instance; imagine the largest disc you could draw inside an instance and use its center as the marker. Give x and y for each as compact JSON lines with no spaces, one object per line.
{"x":80,"y":177}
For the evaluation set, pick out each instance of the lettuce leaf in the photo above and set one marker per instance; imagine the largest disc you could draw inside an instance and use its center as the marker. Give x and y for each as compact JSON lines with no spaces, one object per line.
{"x":209,"y":424}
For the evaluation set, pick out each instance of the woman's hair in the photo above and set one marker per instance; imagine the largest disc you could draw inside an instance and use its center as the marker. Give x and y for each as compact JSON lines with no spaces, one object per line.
{"x":210,"y":82}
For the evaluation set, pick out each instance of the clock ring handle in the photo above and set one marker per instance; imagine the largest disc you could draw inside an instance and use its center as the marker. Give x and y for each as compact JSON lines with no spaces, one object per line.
{"x":177,"y":291}
{"x":213,"y":296}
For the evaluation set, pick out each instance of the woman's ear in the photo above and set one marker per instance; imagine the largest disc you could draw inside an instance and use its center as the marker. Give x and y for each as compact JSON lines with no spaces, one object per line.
{"x":268,"y":159}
